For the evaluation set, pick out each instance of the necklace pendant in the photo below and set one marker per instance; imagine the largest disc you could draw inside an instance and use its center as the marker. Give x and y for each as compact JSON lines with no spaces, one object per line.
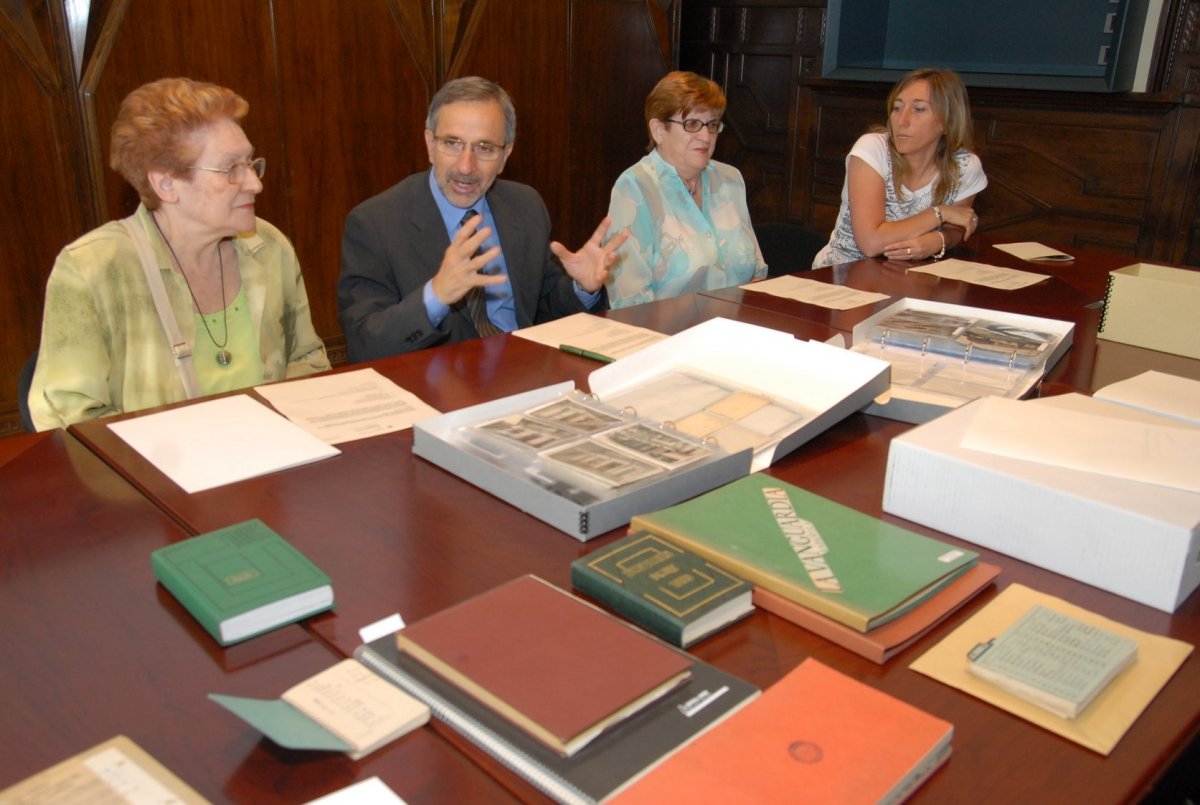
{"x":223,"y":357}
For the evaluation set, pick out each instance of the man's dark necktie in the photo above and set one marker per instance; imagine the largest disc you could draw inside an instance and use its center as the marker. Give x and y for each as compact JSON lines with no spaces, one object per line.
{"x":476,"y":299}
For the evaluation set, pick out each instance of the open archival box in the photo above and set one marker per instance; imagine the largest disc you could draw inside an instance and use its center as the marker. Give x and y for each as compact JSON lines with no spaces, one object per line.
{"x":678,"y":418}
{"x":1154,"y":307}
{"x":945,"y":355}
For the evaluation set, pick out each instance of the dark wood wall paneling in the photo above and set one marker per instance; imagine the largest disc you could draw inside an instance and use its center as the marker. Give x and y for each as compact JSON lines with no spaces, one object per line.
{"x":338,"y":93}
{"x":1118,"y":172}
{"x":41,"y":196}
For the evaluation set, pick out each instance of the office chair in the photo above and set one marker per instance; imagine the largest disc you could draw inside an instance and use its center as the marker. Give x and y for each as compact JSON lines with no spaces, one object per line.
{"x":788,"y":246}
{"x":24,"y":381}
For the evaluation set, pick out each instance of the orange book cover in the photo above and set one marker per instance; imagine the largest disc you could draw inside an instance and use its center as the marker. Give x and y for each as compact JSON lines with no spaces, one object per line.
{"x":883,"y":642}
{"x":553,"y":665}
{"x":814,"y":736}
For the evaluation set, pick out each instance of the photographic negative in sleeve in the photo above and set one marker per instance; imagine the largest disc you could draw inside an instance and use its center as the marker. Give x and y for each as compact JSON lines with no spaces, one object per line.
{"x":607,"y":465}
{"x":574,"y":414}
{"x":654,"y":444}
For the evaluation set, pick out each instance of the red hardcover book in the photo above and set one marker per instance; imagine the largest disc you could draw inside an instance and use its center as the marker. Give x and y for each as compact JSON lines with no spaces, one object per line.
{"x":559,"y":668}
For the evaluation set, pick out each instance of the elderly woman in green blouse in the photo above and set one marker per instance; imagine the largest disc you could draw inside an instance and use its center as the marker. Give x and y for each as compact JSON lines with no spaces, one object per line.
{"x":192,"y":294}
{"x":686,"y":213}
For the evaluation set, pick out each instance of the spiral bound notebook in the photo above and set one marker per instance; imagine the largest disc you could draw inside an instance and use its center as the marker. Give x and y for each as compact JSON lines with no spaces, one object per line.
{"x":603,"y":767}
{"x":1153,"y":306}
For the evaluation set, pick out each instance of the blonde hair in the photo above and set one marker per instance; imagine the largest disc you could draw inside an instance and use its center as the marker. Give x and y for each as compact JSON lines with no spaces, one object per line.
{"x":155,"y":124}
{"x":948,"y":99}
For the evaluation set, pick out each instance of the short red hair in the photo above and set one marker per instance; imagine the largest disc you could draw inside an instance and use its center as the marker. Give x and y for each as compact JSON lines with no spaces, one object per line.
{"x":155,"y":124}
{"x":680,"y":92}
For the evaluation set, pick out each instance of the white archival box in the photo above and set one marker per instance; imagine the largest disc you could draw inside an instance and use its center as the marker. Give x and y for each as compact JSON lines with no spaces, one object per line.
{"x":921,"y":402}
{"x":809,"y":384}
{"x":1135,"y":539}
{"x":566,"y":504}
{"x":828,"y":383}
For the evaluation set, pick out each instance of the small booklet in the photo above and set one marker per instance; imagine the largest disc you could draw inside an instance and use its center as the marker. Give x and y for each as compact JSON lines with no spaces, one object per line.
{"x":346,"y":708}
{"x":1053,"y":660}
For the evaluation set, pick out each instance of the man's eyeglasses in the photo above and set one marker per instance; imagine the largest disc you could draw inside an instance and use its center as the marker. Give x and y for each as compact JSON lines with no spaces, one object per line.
{"x":694,"y":124}
{"x":454,"y":147}
{"x":236,"y":172}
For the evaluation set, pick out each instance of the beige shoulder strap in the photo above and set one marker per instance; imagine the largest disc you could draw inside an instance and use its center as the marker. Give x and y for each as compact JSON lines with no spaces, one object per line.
{"x":180,"y":349}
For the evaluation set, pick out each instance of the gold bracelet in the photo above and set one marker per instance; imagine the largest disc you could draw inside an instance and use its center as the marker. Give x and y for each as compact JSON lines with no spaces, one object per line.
{"x":937,"y":212}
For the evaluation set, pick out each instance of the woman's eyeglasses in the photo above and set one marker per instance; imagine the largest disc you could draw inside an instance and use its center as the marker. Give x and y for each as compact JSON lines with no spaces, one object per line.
{"x":694,"y":124}
{"x":236,"y":172}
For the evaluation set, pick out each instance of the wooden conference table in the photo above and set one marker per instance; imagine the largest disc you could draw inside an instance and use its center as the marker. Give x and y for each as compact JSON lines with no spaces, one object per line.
{"x":94,"y":648}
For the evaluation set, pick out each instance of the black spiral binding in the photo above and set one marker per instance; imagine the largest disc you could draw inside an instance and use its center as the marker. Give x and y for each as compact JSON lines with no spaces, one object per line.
{"x":583,"y":522}
{"x":1107,"y":299}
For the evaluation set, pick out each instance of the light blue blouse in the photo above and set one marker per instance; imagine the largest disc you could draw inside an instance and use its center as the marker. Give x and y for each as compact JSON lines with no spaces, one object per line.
{"x":674,"y":246}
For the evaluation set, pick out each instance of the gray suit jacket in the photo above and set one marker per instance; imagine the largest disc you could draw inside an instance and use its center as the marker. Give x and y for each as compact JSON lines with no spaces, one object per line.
{"x":393,"y":244}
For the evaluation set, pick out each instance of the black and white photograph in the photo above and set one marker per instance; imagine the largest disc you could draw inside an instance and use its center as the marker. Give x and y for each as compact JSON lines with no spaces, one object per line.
{"x":656,"y":444}
{"x":607,"y":465}
{"x":574,"y":414}
{"x":536,"y":434}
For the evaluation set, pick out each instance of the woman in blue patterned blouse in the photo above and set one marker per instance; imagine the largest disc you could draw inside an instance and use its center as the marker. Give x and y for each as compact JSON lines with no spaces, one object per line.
{"x":686,"y":213}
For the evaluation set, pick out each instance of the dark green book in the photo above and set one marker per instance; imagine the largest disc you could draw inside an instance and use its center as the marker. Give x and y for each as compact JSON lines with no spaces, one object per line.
{"x":674,"y":593}
{"x":846,"y":565}
{"x":242,"y":580}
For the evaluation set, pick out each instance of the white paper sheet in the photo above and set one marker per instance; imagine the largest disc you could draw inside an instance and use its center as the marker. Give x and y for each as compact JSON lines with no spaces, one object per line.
{"x":1158,"y":392}
{"x":217,"y":442}
{"x":1157,"y":454}
{"x":1006,"y":279}
{"x":592,"y":336}
{"x":350,"y":405}
{"x":371,"y":791}
{"x":1030,"y":250}
{"x":822,"y":294}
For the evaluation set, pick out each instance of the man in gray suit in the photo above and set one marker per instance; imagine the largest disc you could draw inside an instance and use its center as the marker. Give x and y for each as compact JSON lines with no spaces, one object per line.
{"x":452,"y":253}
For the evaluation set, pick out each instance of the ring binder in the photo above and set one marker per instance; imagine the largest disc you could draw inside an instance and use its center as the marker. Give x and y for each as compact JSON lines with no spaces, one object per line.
{"x":944,"y":355}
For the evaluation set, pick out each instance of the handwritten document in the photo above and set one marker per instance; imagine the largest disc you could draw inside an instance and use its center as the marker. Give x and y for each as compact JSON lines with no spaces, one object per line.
{"x":357,"y":705}
{"x":1006,"y":279}
{"x":822,"y":294}
{"x":342,"y":407}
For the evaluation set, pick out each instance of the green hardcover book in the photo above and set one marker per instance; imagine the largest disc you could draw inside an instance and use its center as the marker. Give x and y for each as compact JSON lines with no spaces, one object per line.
{"x":842,"y":563}
{"x":242,"y":580}
{"x":674,"y":593}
